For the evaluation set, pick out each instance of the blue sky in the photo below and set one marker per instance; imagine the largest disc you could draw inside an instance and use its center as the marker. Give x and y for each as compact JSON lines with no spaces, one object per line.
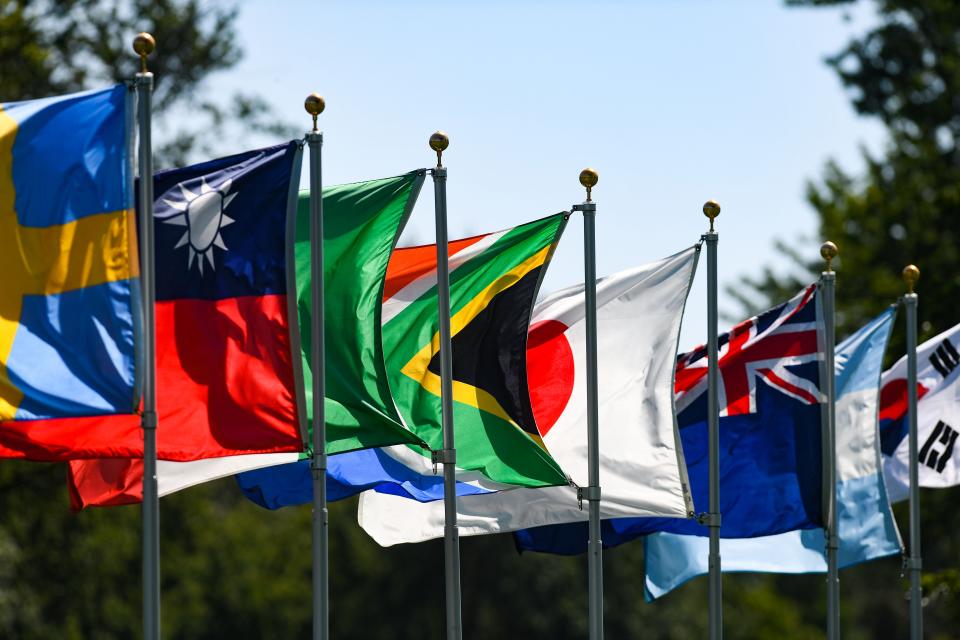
{"x":673,"y":103}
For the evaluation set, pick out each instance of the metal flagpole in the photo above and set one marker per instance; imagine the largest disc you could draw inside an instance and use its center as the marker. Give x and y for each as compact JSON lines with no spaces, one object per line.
{"x":828,"y":289}
{"x":591,"y":493}
{"x":911,"y":274}
{"x":711,"y":209}
{"x":143,"y":45}
{"x":314,"y":105}
{"x":448,"y":455}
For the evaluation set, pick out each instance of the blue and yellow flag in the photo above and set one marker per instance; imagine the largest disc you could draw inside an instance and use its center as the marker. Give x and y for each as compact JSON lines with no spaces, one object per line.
{"x":68,"y":257}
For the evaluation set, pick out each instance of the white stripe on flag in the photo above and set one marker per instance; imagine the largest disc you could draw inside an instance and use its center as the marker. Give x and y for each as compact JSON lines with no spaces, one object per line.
{"x":174,"y":476}
{"x":414,"y":290}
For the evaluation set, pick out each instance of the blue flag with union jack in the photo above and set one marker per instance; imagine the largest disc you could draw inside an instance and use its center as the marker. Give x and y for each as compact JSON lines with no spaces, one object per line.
{"x":770,"y":434}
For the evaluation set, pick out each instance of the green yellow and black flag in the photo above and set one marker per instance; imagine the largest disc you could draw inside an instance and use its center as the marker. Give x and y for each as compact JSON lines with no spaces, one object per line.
{"x":494,"y":280}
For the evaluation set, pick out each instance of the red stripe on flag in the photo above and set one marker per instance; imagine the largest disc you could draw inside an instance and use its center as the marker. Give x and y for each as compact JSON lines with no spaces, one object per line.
{"x":224,"y":387}
{"x":409,"y":263}
{"x":105,"y":483}
{"x":795,"y":390}
{"x":225,"y":378}
{"x":117,"y":436}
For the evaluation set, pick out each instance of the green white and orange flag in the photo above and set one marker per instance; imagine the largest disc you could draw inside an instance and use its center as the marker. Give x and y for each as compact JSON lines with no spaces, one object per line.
{"x":494,"y":280}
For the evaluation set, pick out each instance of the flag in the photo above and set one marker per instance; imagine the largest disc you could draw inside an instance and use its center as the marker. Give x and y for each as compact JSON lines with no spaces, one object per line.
{"x":938,"y":417}
{"x":770,"y":434}
{"x":638,"y":320}
{"x":69,"y":286}
{"x":362,"y":223}
{"x":227,"y":379}
{"x":865,"y":524}
{"x":494,"y":279}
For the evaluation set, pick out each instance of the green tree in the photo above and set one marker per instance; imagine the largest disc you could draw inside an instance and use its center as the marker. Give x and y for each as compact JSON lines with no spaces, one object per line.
{"x":904,"y":71}
{"x":69,"y":576}
{"x":52,"y":47}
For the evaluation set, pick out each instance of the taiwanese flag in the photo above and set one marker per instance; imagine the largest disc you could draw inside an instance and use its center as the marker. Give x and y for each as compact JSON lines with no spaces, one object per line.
{"x":226,"y":378}
{"x":226,"y":375}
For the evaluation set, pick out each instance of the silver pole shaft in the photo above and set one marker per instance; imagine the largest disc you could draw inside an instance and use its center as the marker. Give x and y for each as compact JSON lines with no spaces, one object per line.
{"x":151,"y":500}
{"x":594,"y":544}
{"x":914,"y":563}
{"x":713,"y":442}
{"x":451,"y":535}
{"x":318,"y":463}
{"x":828,"y":290}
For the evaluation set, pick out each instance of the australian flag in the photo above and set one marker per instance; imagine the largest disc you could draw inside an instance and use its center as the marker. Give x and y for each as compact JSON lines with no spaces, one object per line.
{"x":770,"y":434}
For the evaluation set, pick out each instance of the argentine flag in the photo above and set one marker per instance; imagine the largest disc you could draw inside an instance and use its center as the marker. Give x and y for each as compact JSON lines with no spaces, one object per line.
{"x":865,"y":522}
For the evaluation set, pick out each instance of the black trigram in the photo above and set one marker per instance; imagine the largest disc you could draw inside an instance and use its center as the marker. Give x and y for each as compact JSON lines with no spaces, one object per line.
{"x":929,"y":456}
{"x":945,"y":359}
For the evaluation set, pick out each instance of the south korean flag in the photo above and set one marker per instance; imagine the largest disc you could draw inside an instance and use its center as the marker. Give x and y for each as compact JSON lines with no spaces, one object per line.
{"x":938,"y":417}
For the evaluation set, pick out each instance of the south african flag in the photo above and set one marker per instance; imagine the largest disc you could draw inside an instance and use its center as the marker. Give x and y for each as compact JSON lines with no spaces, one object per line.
{"x":494,"y":279}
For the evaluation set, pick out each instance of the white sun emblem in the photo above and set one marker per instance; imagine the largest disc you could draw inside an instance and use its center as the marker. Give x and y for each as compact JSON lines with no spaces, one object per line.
{"x":203,"y":216}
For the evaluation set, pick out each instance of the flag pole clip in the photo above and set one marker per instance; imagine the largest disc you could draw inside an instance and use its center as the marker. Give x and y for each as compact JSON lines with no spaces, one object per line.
{"x":148,"y":420}
{"x":442,"y":456}
{"x":587,"y":493}
{"x":586,"y":207}
{"x":319,"y":462}
{"x":709,"y":519}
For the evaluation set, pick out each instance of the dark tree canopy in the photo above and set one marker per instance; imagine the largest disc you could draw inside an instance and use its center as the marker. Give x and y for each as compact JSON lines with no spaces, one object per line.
{"x":52,"y":47}
{"x":905,"y":72}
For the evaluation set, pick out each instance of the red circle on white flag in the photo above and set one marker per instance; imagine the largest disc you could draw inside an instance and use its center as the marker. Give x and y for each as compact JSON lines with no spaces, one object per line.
{"x":550,"y":372}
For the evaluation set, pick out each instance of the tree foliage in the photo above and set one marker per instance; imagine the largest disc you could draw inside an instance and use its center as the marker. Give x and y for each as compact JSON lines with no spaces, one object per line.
{"x":52,"y":47}
{"x":232,"y":570}
{"x":905,"y":72}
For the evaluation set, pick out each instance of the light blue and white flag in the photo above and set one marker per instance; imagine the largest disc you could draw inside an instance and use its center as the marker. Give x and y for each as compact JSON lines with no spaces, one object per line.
{"x":866,"y":526}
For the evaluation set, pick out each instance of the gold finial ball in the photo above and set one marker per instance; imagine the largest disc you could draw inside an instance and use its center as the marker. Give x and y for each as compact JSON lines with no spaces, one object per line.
{"x":144,"y":44}
{"x":711,"y":209}
{"x":589,"y":178}
{"x":314,"y":104}
{"x":439,"y":141}
{"x":828,"y":250}
{"x":911,"y":274}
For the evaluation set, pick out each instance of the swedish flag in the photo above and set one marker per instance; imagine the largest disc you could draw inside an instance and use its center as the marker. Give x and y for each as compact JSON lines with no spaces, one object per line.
{"x":68,"y":257}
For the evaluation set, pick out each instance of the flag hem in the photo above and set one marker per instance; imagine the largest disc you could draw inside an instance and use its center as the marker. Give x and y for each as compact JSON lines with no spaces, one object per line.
{"x":296,"y":360}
